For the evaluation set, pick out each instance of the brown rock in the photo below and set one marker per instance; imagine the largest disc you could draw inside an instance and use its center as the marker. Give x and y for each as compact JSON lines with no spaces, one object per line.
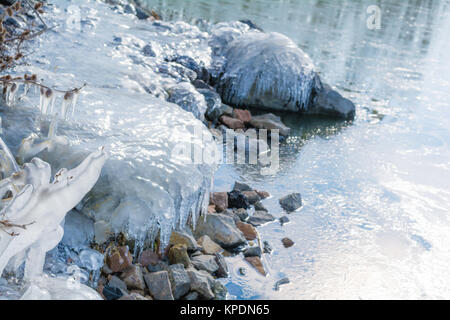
{"x":257,"y":264}
{"x":243,"y":115}
{"x":178,"y":254}
{"x":208,"y":246}
{"x":248,"y":230}
{"x":119,"y":258}
{"x":159,"y":285}
{"x":134,"y":278}
{"x":263,"y":194}
{"x":220,"y":200}
{"x":252,"y":196}
{"x":148,"y":257}
{"x":212,"y":208}
{"x":232,"y":123}
{"x":182,"y":237}
{"x":287,"y":243}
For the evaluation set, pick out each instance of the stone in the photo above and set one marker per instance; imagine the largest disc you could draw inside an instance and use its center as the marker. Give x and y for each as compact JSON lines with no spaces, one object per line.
{"x":205,"y":262}
{"x":133,"y":296}
{"x":270,"y":121}
{"x":240,"y":186}
{"x":221,"y":229}
{"x":160,"y":266}
{"x":242,"y":214}
{"x":220,"y":200}
{"x":248,"y":230}
{"x":260,"y":207}
{"x":252,"y":252}
{"x":267,"y":248}
{"x":263,"y":194}
{"x":200,"y":283}
{"x":284,"y":220}
{"x":260,"y":218}
{"x":287,"y":243}
{"x":281,"y":282}
{"x":242,"y":271}
{"x":192,"y":296}
{"x":252,"y":196}
{"x":222,"y":272}
{"x":186,"y":96}
{"x":148,"y":257}
{"x":209,"y":246}
{"x":331,"y":103}
{"x":118,"y":258}
{"x":134,"y":278}
{"x":148,"y":51}
{"x":116,"y":283}
{"x":181,"y":237}
{"x":232,"y":123}
{"x":291,"y":202}
{"x":159,"y":285}
{"x":243,"y":115}
{"x":257,"y":264}
{"x":178,"y":254}
{"x":236,"y":199}
{"x":212,"y":208}
{"x":179,"y":280}
{"x":111,"y":293}
{"x":219,"y":290}
{"x":196,"y":253}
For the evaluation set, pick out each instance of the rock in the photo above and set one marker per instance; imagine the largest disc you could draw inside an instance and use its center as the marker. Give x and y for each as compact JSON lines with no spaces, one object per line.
{"x":192,"y":296}
{"x":182,"y":237}
{"x":209,"y":246}
{"x":116,"y":283}
{"x":179,"y":280}
{"x":205,"y":262}
{"x":134,"y":296}
{"x":251,"y":24}
{"x":186,"y":96}
{"x":257,"y":264}
{"x":260,"y":207}
{"x":178,"y":254}
{"x":284,"y":220}
{"x":270,"y":121}
{"x":219,"y":290}
{"x":141,"y":14}
{"x":243,"y":115}
{"x":134,"y":278}
{"x":242,"y":271}
{"x":260,"y":217}
{"x":220,"y":200}
{"x":160,"y":266}
{"x":267,"y":247}
{"x":242,"y":214}
{"x":291,"y":202}
{"x":331,"y":103}
{"x":232,"y":123}
{"x":263,"y":194}
{"x":111,"y":293}
{"x":148,"y":51}
{"x":148,"y":257}
{"x":236,"y":199}
{"x":287,"y":243}
{"x":281,"y":282}
{"x":200,"y":283}
{"x":200,"y":84}
{"x":129,"y":8}
{"x":252,"y":196}
{"x":159,"y":285}
{"x":240,"y":186}
{"x":252,"y":252}
{"x":222,"y":272}
{"x":221,"y":229}
{"x":248,"y":230}
{"x":214,"y":114}
{"x":118,"y":258}
{"x":196,"y":253}
{"x":212,"y":208}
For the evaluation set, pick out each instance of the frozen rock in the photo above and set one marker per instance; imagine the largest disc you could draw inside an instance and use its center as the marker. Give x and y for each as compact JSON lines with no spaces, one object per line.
{"x":291,"y":202}
{"x":205,"y":262}
{"x":221,"y":229}
{"x":159,"y":285}
{"x":331,"y":103}
{"x":270,"y":121}
{"x":91,"y":260}
{"x":260,"y":218}
{"x":185,"y":95}
{"x":179,"y":280}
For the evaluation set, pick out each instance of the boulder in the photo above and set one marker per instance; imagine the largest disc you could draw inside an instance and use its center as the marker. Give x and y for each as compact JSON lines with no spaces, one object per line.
{"x":252,"y":252}
{"x":236,"y":199}
{"x":240,"y":186}
{"x":178,"y":254}
{"x":222,"y":272}
{"x":248,"y":230}
{"x":179,"y":280}
{"x":221,"y":229}
{"x":206,"y":263}
{"x":148,"y":257}
{"x":270,"y":121}
{"x":209,"y":246}
{"x":242,"y":214}
{"x":134,"y":278}
{"x":200,"y":282}
{"x":220,"y":200}
{"x":118,"y":258}
{"x":159,"y":285}
{"x":186,"y":96}
{"x":291,"y":202}
{"x":260,"y":217}
{"x":182,"y":237}
{"x":331,"y":103}
{"x":252,"y":196}
{"x":260,"y":207}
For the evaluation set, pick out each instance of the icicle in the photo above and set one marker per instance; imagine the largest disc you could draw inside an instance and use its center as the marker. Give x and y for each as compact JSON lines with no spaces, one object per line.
{"x":67,"y":102}
{"x":53,"y":127}
{"x":74,"y":102}
{"x":9,"y":156}
{"x":41,"y":98}
{"x":11,"y":91}
{"x":47,"y":98}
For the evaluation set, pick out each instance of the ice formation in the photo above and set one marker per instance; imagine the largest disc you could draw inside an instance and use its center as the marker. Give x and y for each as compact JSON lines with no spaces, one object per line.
{"x":40,"y":207}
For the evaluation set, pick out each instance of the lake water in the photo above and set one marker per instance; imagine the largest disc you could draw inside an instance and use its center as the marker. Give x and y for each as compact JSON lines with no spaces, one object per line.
{"x":376,"y":216}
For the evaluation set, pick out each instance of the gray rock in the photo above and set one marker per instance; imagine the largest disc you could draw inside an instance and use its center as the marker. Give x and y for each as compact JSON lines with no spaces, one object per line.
{"x":252,"y":252}
{"x":281,"y":282}
{"x":159,"y":285}
{"x":200,"y":282}
{"x":179,"y":280}
{"x":267,"y":247}
{"x":331,"y":103}
{"x":222,"y":272}
{"x":260,"y":207}
{"x":221,"y":229}
{"x":148,"y":51}
{"x":129,"y":8}
{"x":205,"y":262}
{"x":116,"y":283}
{"x":284,"y":220}
{"x":242,"y":214}
{"x":134,"y":278}
{"x":260,"y":217}
{"x":208,"y":246}
{"x":159,"y":266}
{"x":182,"y":237}
{"x":270,"y":121}
{"x":192,"y":296}
{"x":240,"y":186}
{"x":291,"y":202}
{"x":219,"y":290}
{"x":186,"y":96}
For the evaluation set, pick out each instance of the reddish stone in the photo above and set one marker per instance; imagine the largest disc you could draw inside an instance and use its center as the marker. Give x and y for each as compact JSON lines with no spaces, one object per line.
{"x":211,"y":208}
{"x":232,"y":123}
{"x":148,"y":257}
{"x":287,"y":243}
{"x":243,"y":115}
{"x":248,"y":230}
{"x":257,"y":264}
{"x":220,"y":200}
{"x":119,"y":258}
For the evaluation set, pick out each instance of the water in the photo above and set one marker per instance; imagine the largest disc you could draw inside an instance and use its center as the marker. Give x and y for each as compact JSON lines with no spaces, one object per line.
{"x":375,"y":221}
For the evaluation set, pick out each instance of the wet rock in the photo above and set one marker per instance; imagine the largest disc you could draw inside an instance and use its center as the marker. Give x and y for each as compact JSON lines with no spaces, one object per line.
{"x":141,"y":14}
{"x":270,"y":121}
{"x":232,"y":123}
{"x":178,"y":254}
{"x":284,"y":220}
{"x":214,"y":104}
{"x":200,"y":283}
{"x":240,"y":186}
{"x":252,"y":196}
{"x":281,"y":282}
{"x":291,"y":202}
{"x":221,"y":229}
{"x":219,"y":290}
{"x":206,"y":263}
{"x":192,"y":64}
{"x":191,"y":296}
{"x":251,"y":25}
{"x":159,"y":285}
{"x":260,"y":207}
{"x":182,"y":237}
{"x":209,"y":246}
{"x":243,"y":115}
{"x":186,"y":96}
{"x":287,"y":243}
{"x":148,"y":257}
{"x":111,"y":293}
{"x":248,"y":230}
{"x":263,"y":194}
{"x":134,"y":278}
{"x":200,"y":84}
{"x":267,"y":247}
{"x":118,"y":258}
{"x":214,"y":114}
{"x":252,"y":252}
{"x":331,"y":103}
{"x":220,"y":200}
{"x":257,"y":264}
{"x":222,"y":272}
{"x":179,"y":280}
{"x":236,"y":199}
{"x":242,"y":214}
{"x":260,"y":218}
{"x":129,"y":8}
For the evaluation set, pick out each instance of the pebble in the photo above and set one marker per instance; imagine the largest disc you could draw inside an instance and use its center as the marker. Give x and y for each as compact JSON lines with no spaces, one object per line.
{"x":287,"y":243}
